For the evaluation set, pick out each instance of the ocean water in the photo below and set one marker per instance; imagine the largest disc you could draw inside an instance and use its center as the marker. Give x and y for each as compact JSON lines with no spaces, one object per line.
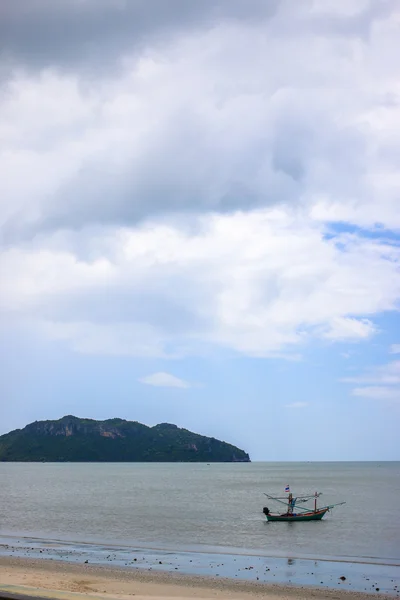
{"x":210,"y":508}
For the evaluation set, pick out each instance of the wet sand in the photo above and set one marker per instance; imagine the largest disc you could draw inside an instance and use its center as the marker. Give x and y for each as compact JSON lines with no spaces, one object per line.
{"x":56,"y":579}
{"x":65,"y":581}
{"x":360,"y":576}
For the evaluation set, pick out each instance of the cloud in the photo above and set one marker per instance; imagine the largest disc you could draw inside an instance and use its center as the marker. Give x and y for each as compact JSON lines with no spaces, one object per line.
{"x":345,"y":328}
{"x":255,"y":283}
{"x":395,"y":349}
{"x":384,"y":374}
{"x":112,"y":339}
{"x":180,"y":200}
{"x":83,"y":34}
{"x":377,"y":393}
{"x":379,"y":383}
{"x":197,"y":117}
{"x":164,"y":380}
{"x":95,"y":34}
{"x":297,"y":405}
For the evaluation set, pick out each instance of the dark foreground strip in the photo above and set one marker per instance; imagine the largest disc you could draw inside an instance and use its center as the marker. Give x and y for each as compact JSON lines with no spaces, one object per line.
{"x":11,"y":596}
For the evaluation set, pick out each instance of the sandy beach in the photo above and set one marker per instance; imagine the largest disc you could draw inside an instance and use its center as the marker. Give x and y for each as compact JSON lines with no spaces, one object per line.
{"x":56,"y":579}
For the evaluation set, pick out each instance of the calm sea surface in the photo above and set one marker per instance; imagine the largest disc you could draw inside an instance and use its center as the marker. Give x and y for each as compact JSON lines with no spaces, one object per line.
{"x":196,"y":506}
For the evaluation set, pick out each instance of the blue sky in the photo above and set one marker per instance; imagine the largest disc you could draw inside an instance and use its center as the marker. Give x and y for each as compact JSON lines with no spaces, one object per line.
{"x":200,"y":220}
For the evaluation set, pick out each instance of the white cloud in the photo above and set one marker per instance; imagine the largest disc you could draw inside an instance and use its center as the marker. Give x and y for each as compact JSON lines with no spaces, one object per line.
{"x":388,"y":374}
{"x":395,"y":349}
{"x":164,"y":380}
{"x":116,"y":339}
{"x":259,"y":283}
{"x":345,"y":328}
{"x":378,"y":393}
{"x":297,"y":405}
{"x":318,"y":127}
{"x":379,"y":383}
{"x":145,"y":217}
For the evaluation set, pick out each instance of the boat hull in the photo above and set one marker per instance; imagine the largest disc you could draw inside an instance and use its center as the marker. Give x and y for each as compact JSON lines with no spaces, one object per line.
{"x":309,"y":516}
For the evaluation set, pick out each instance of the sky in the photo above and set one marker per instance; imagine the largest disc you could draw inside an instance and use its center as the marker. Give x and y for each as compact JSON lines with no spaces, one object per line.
{"x":200,"y":219}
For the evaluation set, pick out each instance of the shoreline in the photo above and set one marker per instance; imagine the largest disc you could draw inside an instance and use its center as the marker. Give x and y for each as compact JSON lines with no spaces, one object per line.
{"x":271,"y":573}
{"x":60,"y":579}
{"x":7,"y":540}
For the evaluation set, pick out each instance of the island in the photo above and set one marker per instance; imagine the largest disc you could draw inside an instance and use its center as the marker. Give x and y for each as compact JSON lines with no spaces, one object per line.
{"x":114,"y":440}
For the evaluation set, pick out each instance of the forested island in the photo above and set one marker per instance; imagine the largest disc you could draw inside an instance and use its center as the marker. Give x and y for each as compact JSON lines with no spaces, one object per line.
{"x":114,"y":440}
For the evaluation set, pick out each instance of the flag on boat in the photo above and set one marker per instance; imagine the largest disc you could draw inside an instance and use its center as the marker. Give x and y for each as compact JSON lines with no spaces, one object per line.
{"x":287,"y":489}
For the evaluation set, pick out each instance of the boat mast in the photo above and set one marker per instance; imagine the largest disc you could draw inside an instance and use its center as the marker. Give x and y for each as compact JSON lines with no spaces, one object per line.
{"x":315,"y":501}
{"x":290,"y":505}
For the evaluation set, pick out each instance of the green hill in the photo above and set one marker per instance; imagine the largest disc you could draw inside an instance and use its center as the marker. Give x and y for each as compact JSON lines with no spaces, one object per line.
{"x":114,"y":440}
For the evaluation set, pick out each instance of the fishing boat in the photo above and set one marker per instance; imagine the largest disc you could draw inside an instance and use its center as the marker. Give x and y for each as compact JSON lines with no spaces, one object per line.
{"x":295,"y":512}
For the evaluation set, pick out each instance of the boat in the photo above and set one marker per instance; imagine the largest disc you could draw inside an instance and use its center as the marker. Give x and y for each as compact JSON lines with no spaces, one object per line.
{"x":294,"y":512}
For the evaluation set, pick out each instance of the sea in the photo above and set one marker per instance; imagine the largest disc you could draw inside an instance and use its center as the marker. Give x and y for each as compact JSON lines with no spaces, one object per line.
{"x":207,"y":519}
